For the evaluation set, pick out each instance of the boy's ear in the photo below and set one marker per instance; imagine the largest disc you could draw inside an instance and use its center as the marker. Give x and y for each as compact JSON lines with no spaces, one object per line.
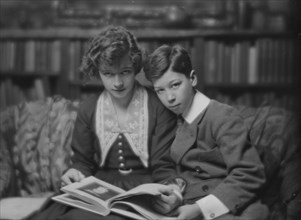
{"x":193,"y":78}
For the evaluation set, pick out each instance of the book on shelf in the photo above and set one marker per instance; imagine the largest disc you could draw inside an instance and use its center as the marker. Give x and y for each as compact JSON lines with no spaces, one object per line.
{"x":55,"y":60}
{"x":102,"y":198}
{"x":252,"y":65}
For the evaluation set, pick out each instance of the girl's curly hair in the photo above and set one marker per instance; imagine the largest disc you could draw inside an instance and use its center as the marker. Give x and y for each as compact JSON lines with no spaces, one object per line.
{"x":111,"y":44}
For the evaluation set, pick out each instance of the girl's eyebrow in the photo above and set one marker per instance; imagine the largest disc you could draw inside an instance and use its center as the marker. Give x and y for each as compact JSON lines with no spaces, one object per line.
{"x":127,"y":67}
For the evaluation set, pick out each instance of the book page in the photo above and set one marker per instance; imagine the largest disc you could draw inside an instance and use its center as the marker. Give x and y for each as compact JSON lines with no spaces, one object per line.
{"x":77,"y":203}
{"x":104,"y":196}
{"x":93,"y":190}
{"x":144,"y":189}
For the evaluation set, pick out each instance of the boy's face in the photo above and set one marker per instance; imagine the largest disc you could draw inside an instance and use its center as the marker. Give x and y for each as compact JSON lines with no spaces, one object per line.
{"x":175,"y":91}
{"x":119,"y":79}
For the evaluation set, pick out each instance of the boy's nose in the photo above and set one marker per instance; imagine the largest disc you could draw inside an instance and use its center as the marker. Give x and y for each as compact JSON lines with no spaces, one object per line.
{"x":171,"y":97}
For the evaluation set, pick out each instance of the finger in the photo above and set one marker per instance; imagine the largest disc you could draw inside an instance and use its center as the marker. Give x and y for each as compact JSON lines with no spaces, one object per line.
{"x":81,"y":176}
{"x":161,"y":209}
{"x":66,"y":180}
{"x":76,"y":176}
{"x":176,"y":212}
{"x":160,"y":203}
{"x":63,"y":184}
{"x":165,"y":191}
{"x":161,"y":206}
{"x":164,"y":198}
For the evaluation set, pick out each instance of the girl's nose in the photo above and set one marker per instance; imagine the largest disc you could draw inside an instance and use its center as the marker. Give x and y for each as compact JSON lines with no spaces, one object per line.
{"x":118,"y":83}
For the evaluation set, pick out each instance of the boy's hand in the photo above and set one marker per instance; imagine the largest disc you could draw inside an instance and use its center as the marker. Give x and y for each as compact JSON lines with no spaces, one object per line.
{"x":169,"y":199}
{"x":72,"y":175}
{"x":188,"y":212}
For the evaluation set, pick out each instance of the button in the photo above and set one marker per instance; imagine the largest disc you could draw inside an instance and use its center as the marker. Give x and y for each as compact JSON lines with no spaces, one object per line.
{"x":119,"y":136}
{"x":120,"y":158}
{"x":120,"y":151}
{"x":119,"y":144}
{"x":237,"y":207}
{"x":198,"y":169}
{"x":124,"y":171}
{"x":121,"y":165}
{"x":205,"y":188}
{"x":212,"y":215}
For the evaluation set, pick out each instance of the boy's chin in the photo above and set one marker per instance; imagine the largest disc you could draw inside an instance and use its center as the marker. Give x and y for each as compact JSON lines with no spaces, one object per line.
{"x":175,"y":111}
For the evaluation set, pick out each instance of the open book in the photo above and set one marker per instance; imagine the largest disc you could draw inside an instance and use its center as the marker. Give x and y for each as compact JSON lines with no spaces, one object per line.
{"x":100,"y":197}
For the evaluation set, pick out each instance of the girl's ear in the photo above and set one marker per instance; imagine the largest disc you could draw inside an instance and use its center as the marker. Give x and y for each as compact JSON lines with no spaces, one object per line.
{"x":193,"y":78}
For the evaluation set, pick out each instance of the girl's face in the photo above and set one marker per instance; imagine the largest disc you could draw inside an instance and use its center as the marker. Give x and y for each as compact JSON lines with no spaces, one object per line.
{"x":175,"y":91}
{"x":119,"y":80}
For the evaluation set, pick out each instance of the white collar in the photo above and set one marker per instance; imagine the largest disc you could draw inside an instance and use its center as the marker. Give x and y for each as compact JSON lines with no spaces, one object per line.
{"x":136,"y":132}
{"x":199,"y":103}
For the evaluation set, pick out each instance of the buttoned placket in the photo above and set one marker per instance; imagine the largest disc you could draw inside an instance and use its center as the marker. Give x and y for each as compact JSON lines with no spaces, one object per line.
{"x":121,"y":158}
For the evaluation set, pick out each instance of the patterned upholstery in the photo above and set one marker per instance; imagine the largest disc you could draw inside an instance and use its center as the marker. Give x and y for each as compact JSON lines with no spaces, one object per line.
{"x":7,"y":174}
{"x":275,"y":134}
{"x":41,"y":146}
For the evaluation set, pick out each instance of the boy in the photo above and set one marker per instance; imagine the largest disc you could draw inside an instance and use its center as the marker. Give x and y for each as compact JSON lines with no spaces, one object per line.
{"x":211,"y":149}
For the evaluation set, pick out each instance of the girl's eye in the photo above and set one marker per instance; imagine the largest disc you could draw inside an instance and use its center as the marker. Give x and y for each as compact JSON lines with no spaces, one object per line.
{"x":125,"y":72}
{"x":107,"y":74}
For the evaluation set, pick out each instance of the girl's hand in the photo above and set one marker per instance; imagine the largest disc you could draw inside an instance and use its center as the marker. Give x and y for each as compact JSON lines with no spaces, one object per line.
{"x":72,"y":175}
{"x":188,"y":212}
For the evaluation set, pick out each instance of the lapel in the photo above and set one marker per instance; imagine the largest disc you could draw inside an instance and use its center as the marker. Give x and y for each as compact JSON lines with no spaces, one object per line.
{"x":185,"y":138}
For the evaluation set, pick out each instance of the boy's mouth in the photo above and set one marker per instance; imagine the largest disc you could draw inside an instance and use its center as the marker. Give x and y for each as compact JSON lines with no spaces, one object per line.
{"x":174,"y":106}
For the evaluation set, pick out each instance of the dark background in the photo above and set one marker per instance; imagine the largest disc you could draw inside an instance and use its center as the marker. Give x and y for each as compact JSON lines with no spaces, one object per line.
{"x":204,"y":27}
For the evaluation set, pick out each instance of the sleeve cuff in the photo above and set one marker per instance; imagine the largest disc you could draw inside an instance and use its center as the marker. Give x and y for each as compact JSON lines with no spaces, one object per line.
{"x":212,"y":207}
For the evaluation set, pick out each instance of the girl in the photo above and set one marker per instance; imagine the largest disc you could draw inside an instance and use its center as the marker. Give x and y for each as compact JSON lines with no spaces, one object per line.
{"x":121,"y":134}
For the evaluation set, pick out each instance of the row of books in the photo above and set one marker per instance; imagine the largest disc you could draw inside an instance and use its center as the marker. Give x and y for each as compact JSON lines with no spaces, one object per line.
{"x":257,"y":99}
{"x":31,"y":56}
{"x":56,"y":56}
{"x":264,"y":60}
{"x":14,"y":92}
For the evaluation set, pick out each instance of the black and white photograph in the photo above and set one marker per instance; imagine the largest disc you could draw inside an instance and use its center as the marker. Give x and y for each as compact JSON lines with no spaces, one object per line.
{"x":200,"y":97}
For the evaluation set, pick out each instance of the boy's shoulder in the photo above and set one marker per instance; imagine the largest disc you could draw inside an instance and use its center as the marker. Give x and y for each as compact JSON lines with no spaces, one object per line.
{"x":217,"y":107}
{"x":217,"y":112}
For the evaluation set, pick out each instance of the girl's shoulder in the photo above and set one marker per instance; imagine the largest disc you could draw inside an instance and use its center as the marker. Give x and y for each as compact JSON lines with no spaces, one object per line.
{"x":153,"y":98}
{"x":87,"y":106}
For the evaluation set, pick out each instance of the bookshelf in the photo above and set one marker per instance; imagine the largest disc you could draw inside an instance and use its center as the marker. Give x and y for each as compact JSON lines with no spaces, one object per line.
{"x":251,"y":68}
{"x":237,"y":67}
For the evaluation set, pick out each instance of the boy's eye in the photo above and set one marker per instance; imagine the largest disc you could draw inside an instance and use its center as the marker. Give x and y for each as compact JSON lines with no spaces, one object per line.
{"x":175,"y":85}
{"x":159,"y":91}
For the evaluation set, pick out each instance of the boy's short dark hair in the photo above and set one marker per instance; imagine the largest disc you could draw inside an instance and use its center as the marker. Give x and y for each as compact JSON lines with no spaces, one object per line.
{"x":111,"y":44}
{"x":164,"y":57}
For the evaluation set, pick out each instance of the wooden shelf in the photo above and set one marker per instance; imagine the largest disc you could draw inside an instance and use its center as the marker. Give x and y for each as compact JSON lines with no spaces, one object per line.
{"x":242,"y":86}
{"x":79,"y":33}
{"x":86,"y":85}
{"x":16,"y":74}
